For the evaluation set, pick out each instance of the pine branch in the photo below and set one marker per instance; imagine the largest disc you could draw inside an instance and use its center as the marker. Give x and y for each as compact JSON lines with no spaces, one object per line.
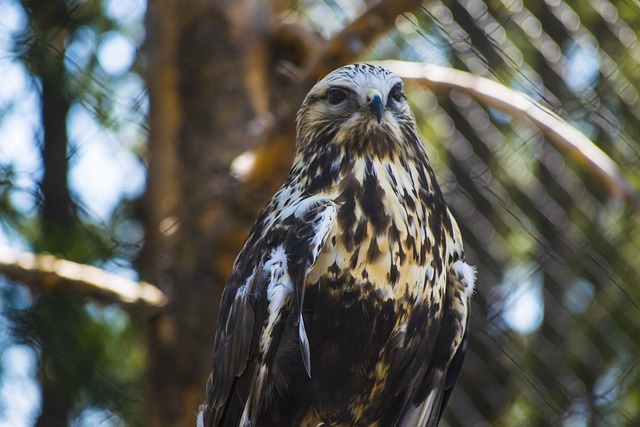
{"x":564,"y":137}
{"x":357,"y":36}
{"x":51,"y":274}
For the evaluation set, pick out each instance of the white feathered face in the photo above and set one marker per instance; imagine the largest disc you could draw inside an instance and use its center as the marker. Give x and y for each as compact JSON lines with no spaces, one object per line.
{"x":360,"y":101}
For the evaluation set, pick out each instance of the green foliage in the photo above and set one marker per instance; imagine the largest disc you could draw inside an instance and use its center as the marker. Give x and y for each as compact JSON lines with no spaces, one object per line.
{"x":92,"y":354}
{"x":88,"y":356}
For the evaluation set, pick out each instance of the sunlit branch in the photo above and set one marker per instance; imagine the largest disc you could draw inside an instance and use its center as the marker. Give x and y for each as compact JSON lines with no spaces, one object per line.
{"x":558,"y":132}
{"x":357,"y":36}
{"x":49,"y":273}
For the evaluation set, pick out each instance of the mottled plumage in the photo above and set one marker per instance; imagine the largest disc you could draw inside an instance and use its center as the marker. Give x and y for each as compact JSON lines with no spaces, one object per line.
{"x":348,"y":304}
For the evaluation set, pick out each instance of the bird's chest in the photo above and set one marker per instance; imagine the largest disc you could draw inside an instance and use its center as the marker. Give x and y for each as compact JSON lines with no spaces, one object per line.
{"x":382,"y":239}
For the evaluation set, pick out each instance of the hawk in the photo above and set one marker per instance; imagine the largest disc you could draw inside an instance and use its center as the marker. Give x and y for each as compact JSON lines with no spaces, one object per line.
{"x":348,"y":304}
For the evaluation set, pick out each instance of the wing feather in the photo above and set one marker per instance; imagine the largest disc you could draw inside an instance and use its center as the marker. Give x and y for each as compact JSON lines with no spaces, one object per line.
{"x":450,"y":340}
{"x":450,"y":348}
{"x":233,"y":342}
{"x":304,"y":242}
{"x":264,"y":293}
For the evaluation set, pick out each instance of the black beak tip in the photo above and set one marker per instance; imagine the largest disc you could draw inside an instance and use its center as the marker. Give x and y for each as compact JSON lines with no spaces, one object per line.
{"x":376,"y":107}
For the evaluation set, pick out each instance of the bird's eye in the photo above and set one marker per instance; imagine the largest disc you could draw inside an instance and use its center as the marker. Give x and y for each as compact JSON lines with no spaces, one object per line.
{"x":336,"y":96}
{"x":396,"y":93}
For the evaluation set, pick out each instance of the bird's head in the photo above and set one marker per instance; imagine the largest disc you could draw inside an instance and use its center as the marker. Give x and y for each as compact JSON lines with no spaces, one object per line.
{"x":362,"y":107}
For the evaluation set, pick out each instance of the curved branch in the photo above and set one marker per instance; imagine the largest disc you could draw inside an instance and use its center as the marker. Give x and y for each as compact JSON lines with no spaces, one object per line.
{"x":562,"y":135}
{"x":357,"y":36}
{"x":48,"y":273}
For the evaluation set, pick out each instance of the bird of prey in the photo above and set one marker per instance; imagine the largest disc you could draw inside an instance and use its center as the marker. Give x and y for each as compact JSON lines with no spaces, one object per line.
{"x":348,"y":304}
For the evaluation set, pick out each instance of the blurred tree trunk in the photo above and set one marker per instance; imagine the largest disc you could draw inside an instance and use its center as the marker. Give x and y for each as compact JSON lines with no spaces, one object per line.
{"x":57,"y":209}
{"x":206,"y":75}
{"x":45,"y":58}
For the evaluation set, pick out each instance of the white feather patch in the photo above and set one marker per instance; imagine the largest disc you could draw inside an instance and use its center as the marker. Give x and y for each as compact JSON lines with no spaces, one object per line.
{"x":304,"y":345}
{"x":322,"y":230}
{"x":244,"y":420}
{"x":430,"y":273}
{"x":280,"y":284}
{"x":244,"y":289}
{"x":298,"y":209}
{"x":468,"y":275}
{"x":200,"y":419}
{"x":279,"y":290}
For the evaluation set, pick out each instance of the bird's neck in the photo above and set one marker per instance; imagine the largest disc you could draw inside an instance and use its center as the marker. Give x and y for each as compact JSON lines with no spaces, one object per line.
{"x":329,"y":165}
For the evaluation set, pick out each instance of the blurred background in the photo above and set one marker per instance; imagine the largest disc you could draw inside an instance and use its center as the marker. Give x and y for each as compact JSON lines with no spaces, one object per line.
{"x":144,"y":137}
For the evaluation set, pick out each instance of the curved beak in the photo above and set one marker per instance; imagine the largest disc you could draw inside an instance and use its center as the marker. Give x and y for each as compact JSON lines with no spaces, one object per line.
{"x":375,"y":105}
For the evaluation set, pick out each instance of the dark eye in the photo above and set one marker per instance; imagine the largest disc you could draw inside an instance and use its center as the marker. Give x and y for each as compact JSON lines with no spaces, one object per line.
{"x":336,"y":96}
{"x":396,"y":93}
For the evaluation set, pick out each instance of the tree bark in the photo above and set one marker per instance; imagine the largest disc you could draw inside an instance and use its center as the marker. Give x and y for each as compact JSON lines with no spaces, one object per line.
{"x":208,"y":92}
